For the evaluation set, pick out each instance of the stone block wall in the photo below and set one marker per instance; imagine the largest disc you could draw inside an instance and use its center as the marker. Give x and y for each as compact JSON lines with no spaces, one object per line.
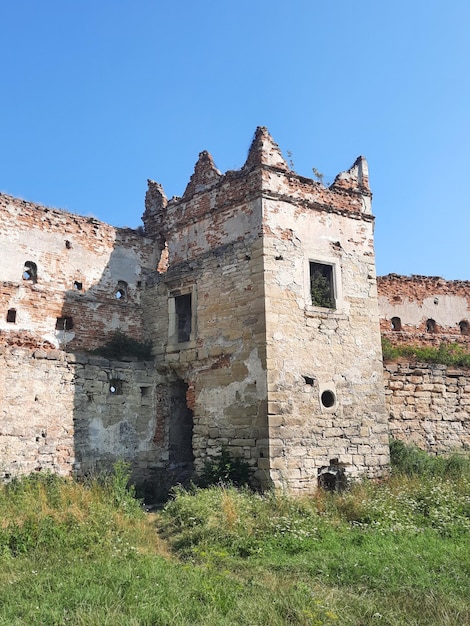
{"x":326,"y":406}
{"x":36,"y":412}
{"x":79,"y":414}
{"x":429,"y":405}
{"x":114,"y":416}
{"x":213,"y":238}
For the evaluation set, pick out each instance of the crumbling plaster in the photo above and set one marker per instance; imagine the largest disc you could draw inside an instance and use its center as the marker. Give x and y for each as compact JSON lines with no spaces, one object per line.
{"x":260,"y":359}
{"x":70,"y":251}
{"x":416,"y":299}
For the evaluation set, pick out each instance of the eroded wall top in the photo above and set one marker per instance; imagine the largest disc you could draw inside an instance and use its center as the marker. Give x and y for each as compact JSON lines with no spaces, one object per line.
{"x":424,"y":309}
{"x":65,"y":279}
{"x":217,"y":209}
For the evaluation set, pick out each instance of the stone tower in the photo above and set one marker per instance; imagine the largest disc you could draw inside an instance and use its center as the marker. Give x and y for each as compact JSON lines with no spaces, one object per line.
{"x":265,"y":324}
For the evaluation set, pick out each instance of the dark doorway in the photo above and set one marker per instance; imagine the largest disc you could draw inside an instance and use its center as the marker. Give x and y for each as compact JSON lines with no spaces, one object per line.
{"x":181,"y":427}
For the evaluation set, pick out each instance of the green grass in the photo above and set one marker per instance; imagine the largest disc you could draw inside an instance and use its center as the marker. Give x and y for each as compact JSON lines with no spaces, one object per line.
{"x":452,"y":354}
{"x":394,"y":552}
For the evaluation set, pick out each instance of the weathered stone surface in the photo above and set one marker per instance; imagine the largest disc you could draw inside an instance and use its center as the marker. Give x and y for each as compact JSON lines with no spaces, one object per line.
{"x":435,"y":420}
{"x":247,"y":354}
{"x":429,"y":310}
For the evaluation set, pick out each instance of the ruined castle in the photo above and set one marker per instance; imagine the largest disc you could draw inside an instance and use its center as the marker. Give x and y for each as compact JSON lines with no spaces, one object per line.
{"x":257,"y":293}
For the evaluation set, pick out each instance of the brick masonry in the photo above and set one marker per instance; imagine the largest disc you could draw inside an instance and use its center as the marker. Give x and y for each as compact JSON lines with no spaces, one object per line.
{"x":220,"y":283}
{"x":427,"y":310}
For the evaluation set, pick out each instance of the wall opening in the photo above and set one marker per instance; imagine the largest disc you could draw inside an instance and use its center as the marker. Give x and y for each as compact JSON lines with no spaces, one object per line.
{"x":121,"y":291}
{"x":322,"y":289}
{"x":183,"y":312}
{"x":180,"y":427}
{"x":332,"y":477}
{"x":328,"y":399}
{"x":11,"y":316}
{"x":64,"y":323}
{"x":77,"y":285}
{"x":396,"y":323}
{"x":431,"y":326}
{"x":162,"y":266}
{"x":30,"y":271}
{"x":115,"y":387}
{"x":464,"y":327}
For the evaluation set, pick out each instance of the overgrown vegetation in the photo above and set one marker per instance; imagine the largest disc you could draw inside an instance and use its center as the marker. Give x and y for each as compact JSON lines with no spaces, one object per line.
{"x":121,"y":345}
{"x":411,"y":461}
{"x":225,"y":469}
{"x":320,"y":290}
{"x":393,"y":552}
{"x":446,"y":354}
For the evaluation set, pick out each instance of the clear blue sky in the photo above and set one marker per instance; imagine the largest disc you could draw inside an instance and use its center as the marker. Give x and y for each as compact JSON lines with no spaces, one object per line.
{"x":99,"y":95}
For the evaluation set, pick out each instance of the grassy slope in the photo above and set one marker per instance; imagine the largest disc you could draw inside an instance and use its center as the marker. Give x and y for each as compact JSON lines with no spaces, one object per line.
{"x":389,"y":553}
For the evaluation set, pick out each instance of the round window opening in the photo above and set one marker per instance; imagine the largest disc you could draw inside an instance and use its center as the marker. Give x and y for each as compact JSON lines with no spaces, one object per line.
{"x":328,"y":399}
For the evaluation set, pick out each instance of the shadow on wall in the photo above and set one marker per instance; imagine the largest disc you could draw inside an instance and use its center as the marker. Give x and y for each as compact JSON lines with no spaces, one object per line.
{"x":115,"y":388}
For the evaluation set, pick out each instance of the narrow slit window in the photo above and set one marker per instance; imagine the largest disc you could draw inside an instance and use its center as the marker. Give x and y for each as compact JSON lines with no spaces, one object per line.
{"x":183,"y":311}
{"x":322,"y":290}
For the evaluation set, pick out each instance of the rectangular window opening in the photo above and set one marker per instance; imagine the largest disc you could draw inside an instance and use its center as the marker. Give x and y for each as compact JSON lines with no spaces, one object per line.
{"x":183,"y":312}
{"x":322,"y":289}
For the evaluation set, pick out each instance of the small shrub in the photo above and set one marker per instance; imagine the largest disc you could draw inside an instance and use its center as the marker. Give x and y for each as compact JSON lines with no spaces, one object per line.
{"x":227,"y":470}
{"x":411,"y":461}
{"x":117,"y":487}
{"x":121,"y":345}
{"x":389,"y":352}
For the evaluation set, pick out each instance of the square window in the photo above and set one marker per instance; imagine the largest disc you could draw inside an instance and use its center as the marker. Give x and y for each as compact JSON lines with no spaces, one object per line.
{"x":322,"y":287}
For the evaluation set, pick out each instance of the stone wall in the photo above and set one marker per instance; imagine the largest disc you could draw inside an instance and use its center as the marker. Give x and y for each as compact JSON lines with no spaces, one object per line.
{"x":326,"y":406}
{"x":68,"y":280}
{"x":216,"y":373}
{"x":429,"y":405}
{"x":69,"y":413}
{"x":260,"y":357}
{"x":424,"y":310}
{"x":36,"y":412}
{"x":114,"y":415}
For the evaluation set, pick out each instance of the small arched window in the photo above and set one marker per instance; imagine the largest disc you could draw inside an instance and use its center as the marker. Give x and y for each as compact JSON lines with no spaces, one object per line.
{"x":431,"y":326}
{"x":121,"y":291}
{"x":396,"y":323}
{"x":30,"y":271}
{"x":464,"y":327}
{"x":11,"y":316}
